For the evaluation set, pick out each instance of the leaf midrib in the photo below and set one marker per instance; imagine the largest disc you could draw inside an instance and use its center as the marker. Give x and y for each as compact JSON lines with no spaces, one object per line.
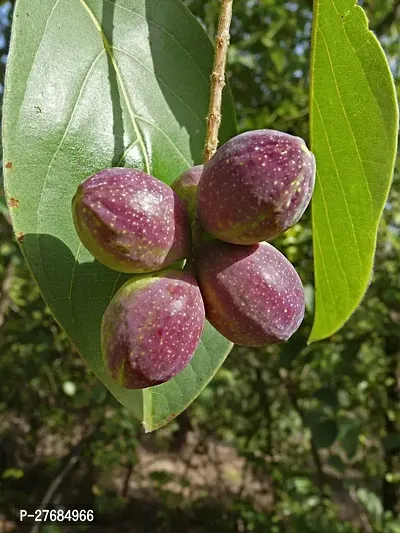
{"x":123,"y":8}
{"x":132,"y":115}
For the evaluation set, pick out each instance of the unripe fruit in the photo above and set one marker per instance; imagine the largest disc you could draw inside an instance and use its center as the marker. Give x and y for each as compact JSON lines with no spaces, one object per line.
{"x":151,"y":328}
{"x":255,"y":187}
{"x":131,"y":221}
{"x":185,"y":187}
{"x":252,"y":294}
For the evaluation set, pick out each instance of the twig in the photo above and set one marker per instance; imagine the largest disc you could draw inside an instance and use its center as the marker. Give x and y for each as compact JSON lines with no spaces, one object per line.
{"x":365,"y":521}
{"x":71,"y":460}
{"x":319,"y":468}
{"x":188,"y":463}
{"x":214,"y":110}
{"x":125,"y":488}
{"x":243,"y":479}
{"x":218,"y":79}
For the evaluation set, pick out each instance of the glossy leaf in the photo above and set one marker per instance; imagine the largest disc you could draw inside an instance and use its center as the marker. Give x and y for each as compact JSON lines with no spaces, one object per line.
{"x":93,"y":84}
{"x":353,"y":124}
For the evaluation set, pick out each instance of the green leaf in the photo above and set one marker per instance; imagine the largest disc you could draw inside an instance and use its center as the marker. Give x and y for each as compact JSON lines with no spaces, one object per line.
{"x":371,"y":502}
{"x":353,"y":128}
{"x":394,"y":526}
{"x":291,"y":349}
{"x":349,"y":436}
{"x":324,"y":433}
{"x":12,"y":473}
{"x":392,"y":441}
{"x":102,"y":83}
{"x":336,"y":462}
{"x":328,"y":396}
{"x":161,"y":477}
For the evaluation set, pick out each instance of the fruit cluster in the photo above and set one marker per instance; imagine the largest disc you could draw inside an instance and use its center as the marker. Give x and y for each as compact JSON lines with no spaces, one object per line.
{"x":255,"y":187}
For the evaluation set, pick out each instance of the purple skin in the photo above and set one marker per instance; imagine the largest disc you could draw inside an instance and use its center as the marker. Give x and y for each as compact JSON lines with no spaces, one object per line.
{"x":185,"y":187}
{"x":252,"y":294}
{"x":151,"y":328}
{"x":131,"y":221}
{"x":255,"y":187}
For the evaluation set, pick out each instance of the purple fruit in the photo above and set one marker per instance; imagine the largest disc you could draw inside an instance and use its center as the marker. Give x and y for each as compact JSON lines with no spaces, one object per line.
{"x":255,"y":187}
{"x":185,"y":187}
{"x":151,"y":328}
{"x":130,"y":221}
{"x":252,"y":294}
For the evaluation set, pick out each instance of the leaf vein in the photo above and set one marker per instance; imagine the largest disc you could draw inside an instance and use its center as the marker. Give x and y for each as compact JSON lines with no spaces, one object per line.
{"x":321,"y":300}
{"x":132,"y":115}
{"x":332,"y":238}
{"x":162,"y":81}
{"x":114,"y":285}
{"x":340,"y":182}
{"x":39,"y":45}
{"x":71,"y":284}
{"x":150,"y":21}
{"x":58,"y":150}
{"x":166,"y":136}
{"x":123,"y":156}
{"x":369,"y":32}
{"x":348,"y":122}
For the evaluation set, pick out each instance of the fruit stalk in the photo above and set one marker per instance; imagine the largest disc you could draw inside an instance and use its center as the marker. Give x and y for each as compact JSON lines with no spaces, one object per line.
{"x":218,"y":79}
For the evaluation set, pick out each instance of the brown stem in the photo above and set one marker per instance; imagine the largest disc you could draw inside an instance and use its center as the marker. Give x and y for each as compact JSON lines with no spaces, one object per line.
{"x":218,"y":79}
{"x":125,"y":488}
{"x":214,"y":110}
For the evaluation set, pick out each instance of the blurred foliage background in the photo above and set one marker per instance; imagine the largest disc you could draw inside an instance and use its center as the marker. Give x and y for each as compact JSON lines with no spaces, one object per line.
{"x":287,"y":439}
